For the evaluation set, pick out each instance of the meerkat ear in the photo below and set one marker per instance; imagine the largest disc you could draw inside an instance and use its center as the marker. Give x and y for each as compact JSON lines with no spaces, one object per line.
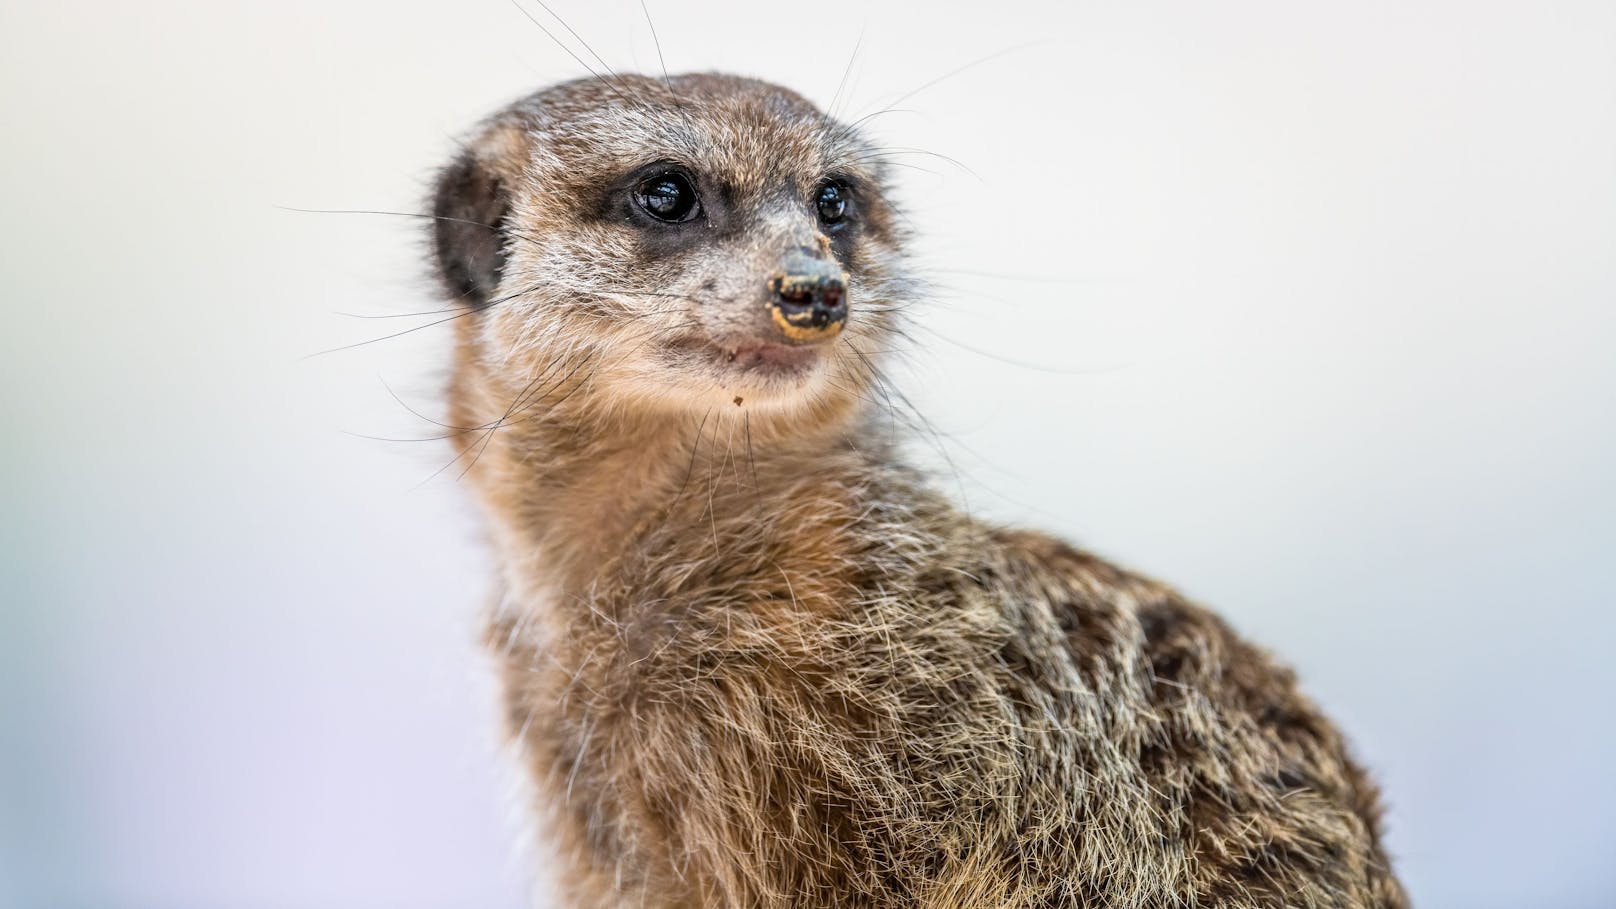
{"x":469,"y":208}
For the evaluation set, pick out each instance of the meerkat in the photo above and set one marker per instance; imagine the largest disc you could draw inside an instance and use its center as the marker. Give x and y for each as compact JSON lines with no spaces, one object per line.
{"x":749,"y":656}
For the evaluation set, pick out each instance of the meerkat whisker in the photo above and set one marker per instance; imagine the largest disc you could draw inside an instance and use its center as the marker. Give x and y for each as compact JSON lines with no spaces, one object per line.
{"x":657,"y":42}
{"x":403,"y":214}
{"x":859,"y":121}
{"x":830,"y":110}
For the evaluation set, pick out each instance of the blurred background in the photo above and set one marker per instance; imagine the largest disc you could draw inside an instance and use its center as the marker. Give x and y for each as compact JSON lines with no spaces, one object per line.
{"x":1307,"y":308}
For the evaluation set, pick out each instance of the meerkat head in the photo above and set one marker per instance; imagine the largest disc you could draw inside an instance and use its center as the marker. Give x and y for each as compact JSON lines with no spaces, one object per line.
{"x":673,"y":246}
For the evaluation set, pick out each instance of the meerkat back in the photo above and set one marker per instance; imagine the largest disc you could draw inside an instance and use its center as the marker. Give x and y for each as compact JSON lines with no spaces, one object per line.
{"x":749,"y":656}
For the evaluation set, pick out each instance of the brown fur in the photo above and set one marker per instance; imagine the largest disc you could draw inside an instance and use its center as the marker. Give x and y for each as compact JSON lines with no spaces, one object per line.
{"x":749,"y":657}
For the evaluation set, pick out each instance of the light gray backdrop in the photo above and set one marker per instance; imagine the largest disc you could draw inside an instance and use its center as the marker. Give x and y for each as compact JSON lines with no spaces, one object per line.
{"x":1328,"y":289}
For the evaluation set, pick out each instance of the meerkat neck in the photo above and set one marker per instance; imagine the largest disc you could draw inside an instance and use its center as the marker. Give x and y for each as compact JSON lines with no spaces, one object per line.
{"x":575,"y":491}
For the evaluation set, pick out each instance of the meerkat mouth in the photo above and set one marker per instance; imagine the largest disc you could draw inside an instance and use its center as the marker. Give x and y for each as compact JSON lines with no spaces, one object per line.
{"x":771,"y":360}
{"x":770,"y":357}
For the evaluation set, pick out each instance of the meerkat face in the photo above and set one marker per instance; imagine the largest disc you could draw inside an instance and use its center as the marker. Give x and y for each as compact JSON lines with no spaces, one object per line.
{"x":696,"y":243}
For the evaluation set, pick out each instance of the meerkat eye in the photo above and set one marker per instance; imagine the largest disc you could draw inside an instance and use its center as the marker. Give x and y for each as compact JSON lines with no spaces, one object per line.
{"x":832,"y":201}
{"x":668,"y":197}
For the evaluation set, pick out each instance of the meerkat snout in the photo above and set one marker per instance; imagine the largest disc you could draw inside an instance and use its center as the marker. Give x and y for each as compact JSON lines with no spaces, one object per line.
{"x":808,"y":300}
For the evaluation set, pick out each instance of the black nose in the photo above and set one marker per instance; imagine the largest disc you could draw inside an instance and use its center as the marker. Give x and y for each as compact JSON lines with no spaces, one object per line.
{"x":809,"y":305}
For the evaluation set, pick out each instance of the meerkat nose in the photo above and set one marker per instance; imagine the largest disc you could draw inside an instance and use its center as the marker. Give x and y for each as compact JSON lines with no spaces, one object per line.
{"x":809,"y":302}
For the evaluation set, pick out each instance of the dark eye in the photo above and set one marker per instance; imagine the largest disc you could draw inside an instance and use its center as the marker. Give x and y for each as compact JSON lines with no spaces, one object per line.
{"x":832,"y":201}
{"x":668,"y":197}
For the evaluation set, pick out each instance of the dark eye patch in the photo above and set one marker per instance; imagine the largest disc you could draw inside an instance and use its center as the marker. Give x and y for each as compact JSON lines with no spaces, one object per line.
{"x":658,"y":193}
{"x":667,"y":206}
